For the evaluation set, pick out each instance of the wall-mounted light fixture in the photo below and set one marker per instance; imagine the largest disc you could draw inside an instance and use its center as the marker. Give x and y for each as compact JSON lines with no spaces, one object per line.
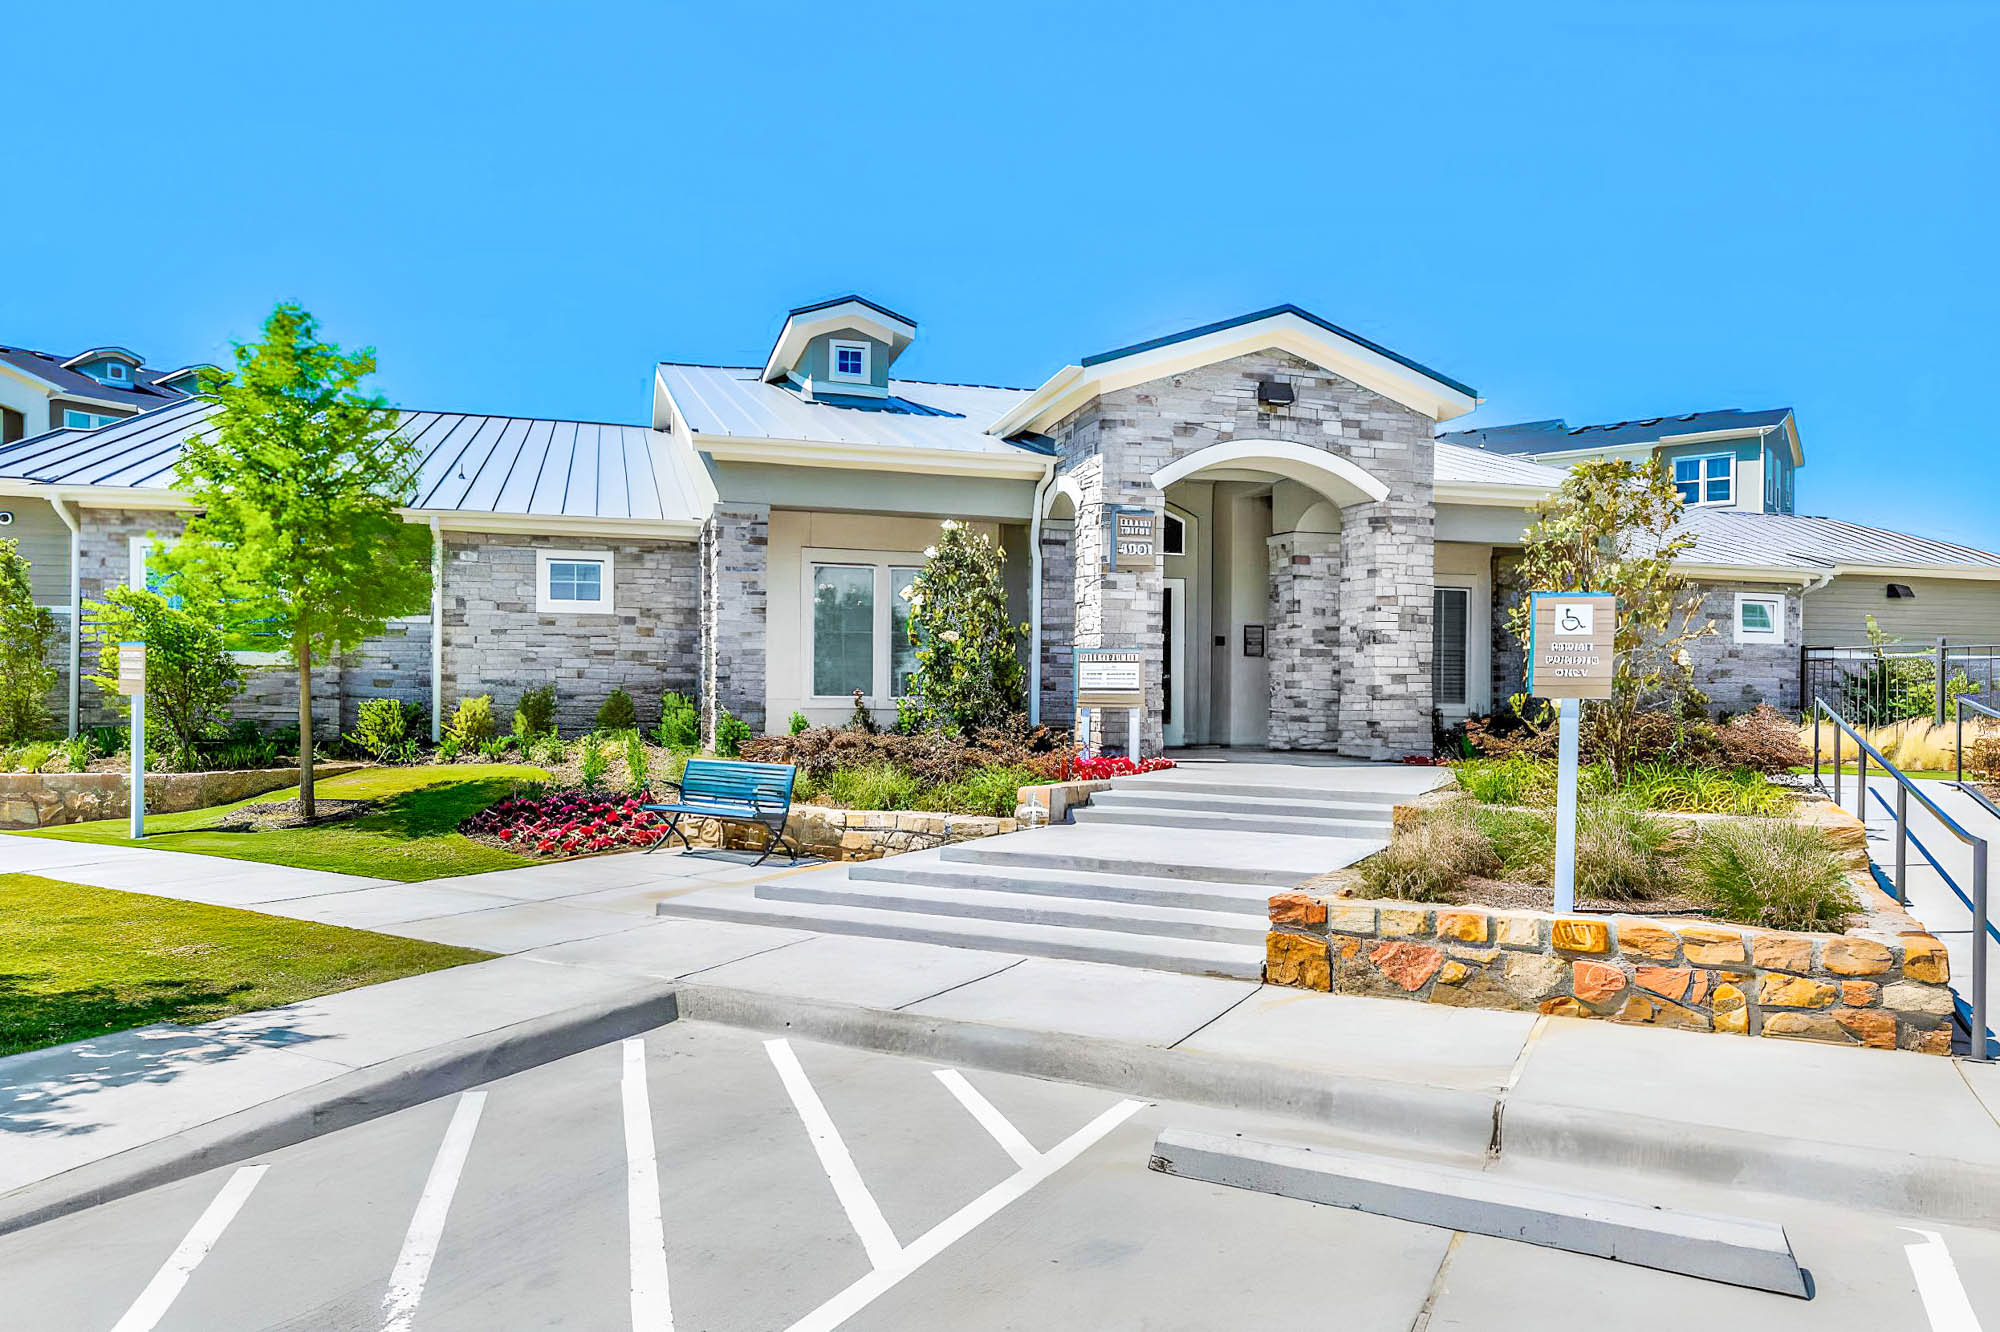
{"x":6,"y":517}
{"x":1901,"y":592}
{"x":1274,"y":393}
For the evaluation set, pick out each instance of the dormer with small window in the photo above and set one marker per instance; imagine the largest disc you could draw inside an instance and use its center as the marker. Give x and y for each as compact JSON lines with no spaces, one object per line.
{"x":841,"y":348}
{"x":113,"y":367}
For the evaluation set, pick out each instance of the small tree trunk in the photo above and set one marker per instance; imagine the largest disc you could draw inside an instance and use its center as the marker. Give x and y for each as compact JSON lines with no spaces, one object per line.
{"x":302,"y":650}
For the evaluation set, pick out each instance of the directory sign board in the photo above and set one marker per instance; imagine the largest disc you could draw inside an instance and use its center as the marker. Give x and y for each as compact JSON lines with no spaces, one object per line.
{"x":131,"y":668}
{"x":1110,"y":678}
{"x":1570,"y":644}
{"x":1135,"y":538}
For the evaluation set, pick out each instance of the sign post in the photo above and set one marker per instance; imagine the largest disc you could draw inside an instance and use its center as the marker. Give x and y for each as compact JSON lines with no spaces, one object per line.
{"x":132,"y":684}
{"x":1111,"y":678}
{"x":1571,"y":656}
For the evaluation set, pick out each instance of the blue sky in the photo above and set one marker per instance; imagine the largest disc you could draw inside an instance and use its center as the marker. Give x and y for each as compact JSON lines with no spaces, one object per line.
{"x":1597,"y":211}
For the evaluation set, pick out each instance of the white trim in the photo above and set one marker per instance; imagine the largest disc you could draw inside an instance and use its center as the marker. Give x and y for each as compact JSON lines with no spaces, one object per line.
{"x":1187,"y":522}
{"x":1072,"y":386}
{"x":547,"y":605}
{"x":1775,"y":636}
{"x":1702,"y":479}
{"x":1478,"y":645}
{"x":881,"y":688}
{"x":1065,"y":485}
{"x":834,"y":374}
{"x":529,"y":524}
{"x":1494,"y":494}
{"x":1328,"y":473}
{"x":1016,"y":464}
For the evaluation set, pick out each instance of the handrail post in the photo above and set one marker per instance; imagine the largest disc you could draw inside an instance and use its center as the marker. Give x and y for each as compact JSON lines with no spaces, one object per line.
{"x":1980,"y":948}
{"x":1860,"y":782}
{"x":1817,"y":723}
{"x":1902,"y":841}
{"x":1958,"y":743}
{"x":1836,"y":765}
{"x":1940,"y":680}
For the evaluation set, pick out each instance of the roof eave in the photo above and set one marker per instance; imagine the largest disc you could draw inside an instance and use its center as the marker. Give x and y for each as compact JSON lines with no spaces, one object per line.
{"x":1020,"y":465}
{"x":1494,"y":493}
{"x":538,"y":524}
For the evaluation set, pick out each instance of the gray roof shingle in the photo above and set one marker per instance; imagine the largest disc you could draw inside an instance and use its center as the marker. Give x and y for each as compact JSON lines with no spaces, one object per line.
{"x":1558,"y":436}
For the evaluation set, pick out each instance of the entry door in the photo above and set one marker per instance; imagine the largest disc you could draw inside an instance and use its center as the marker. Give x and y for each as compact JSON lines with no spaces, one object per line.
{"x":1173,"y":657}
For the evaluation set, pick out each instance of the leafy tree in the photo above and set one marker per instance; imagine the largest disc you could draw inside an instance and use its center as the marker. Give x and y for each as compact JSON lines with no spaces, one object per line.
{"x":190,"y":676}
{"x":1615,"y":527}
{"x":27,"y":632}
{"x":299,"y":488}
{"x":969,"y":671}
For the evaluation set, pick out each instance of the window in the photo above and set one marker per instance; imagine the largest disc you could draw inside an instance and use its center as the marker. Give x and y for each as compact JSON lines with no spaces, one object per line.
{"x":1710,"y":479}
{"x":843,"y":613}
{"x":1451,"y":614}
{"x":1173,"y":536}
{"x":1759,"y":619}
{"x":573,"y":581}
{"x":902,"y":652}
{"x":850,"y":361}
{"x":74,"y":420}
{"x":114,"y":370}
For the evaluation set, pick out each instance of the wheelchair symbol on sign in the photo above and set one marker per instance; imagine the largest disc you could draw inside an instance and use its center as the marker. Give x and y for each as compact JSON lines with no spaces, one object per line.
{"x":1575,"y":621}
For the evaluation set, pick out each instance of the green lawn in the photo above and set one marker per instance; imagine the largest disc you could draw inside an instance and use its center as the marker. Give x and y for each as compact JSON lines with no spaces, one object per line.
{"x":414,"y":836}
{"x":77,"y":961}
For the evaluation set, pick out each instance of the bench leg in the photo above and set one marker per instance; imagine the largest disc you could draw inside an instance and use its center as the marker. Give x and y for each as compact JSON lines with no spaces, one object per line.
{"x":774,"y":839}
{"x":673,"y":830}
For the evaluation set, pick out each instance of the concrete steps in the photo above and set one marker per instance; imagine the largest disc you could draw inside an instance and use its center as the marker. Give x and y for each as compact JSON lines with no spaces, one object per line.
{"x":1166,"y":817}
{"x":1200,"y":957}
{"x":1295,"y":804}
{"x":1083,"y":885}
{"x":1212,"y":868}
{"x":1022,"y":908}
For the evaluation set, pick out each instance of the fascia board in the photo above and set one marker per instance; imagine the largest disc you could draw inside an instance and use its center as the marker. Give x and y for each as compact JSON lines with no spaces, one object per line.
{"x":1032,"y":406}
{"x":1978,"y":572}
{"x":98,"y":497}
{"x":1717,"y":436}
{"x":1284,"y":332}
{"x":808,"y":453}
{"x":531,"y":524}
{"x":1750,"y":573}
{"x":1495,"y":493}
{"x":1565,"y":457}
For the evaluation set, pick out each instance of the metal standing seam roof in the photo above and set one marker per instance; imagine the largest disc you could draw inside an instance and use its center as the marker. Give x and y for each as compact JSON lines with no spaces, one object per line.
{"x":1785,"y":540}
{"x":734,"y":401}
{"x":470,"y":463}
{"x":1456,"y":463}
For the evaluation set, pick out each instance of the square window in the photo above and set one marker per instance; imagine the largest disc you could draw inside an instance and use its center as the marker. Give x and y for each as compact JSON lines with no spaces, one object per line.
{"x":114,"y":370}
{"x":1708,"y":479}
{"x":573,"y":581}
{"x":1760,"y":619}
{"x":850,"y":361}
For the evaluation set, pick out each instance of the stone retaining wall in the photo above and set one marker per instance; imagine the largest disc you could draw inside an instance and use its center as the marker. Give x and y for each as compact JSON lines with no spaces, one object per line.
{"x":45,"y":799}
{"x":1878,"y":989}
{"x":851,"y":834}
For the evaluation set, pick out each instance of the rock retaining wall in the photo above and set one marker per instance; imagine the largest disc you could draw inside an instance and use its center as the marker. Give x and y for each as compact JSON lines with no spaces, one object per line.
{"x":850,"y":834}
{"x":46,"y":799}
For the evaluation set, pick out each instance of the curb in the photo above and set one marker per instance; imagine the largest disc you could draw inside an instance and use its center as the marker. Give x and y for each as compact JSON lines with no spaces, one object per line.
{"x":339,"y":1102}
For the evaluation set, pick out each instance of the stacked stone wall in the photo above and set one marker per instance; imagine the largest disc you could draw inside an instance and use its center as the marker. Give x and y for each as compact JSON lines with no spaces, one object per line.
{"x":733,"y":576}
{"x":1303,"y":642}
{"x":1058,"y":685}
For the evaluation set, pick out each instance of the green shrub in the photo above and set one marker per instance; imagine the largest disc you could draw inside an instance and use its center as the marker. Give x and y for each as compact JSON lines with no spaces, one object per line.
{"x":449,"y":749}
{"x":799,"y":725}
{"x":1515,"y":780}
{"x":730,"y":733}
{"x":535,"y":714}
{"x":473,"y":724}
{"x":618,"y":713}
{"x":1524,"y":840}
{"x":31,"y":756}
{"x":992,"y":791}
{"x":1428,"y":862}
{"x":593,"y":761}
{"x":497,"y":748}
{"x":871,"y":786}
{"x":1776,"y":874}
{"x":76,"y":753}
{"x":385,"y":730}
{"x":190,"y":676}
{"x":1685,"y":790}
{"x":1621,"y":853}
{"x":113,"y":739}
{"x":636,"y":761}
{"x":680,"y":723}
{"x":966,"y":647}
{"x":546,"y":750}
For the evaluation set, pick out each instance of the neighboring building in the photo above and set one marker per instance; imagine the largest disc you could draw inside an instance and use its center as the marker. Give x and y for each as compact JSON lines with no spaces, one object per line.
{"x":1331,"y":571}
{"x":42,"y":391}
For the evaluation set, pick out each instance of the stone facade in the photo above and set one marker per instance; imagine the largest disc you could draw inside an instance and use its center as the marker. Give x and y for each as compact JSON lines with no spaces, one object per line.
{"x":851,"y":834}
{"x":1738,"y":676}
{"x":1303,"y":644}
{"x":497,"y":643}
{"x":735,"y":549}
{"x":1884,"y":991}
{"x":1378,"y":685}
{"x":1058,"y":539}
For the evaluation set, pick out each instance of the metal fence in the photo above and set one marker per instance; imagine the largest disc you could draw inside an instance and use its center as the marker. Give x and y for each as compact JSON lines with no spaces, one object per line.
{"x":1974,"y":1020}
{"x":1873,"y":685}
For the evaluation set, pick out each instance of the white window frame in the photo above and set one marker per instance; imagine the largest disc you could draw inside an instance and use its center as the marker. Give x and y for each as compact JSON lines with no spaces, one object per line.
{"x":1702,"y":478}
{"x":833,"y":350}
{"x":1186,"y":520}
{"x":76,"y":420}
{"x":547,"y":605}
{"x":879,"y":693}
{"x":1478,"y":646}
{"x":116,"y":370}
{"x":1775,"y":635}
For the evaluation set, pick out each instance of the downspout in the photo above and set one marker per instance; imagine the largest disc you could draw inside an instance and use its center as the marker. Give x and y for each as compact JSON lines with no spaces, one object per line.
{"x":1035,"y":596}
{"x":73,"y":670}
{"x":437,"y":631}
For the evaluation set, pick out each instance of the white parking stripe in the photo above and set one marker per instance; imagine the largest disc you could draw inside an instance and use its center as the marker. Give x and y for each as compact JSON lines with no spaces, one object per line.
{"x":1944,"y":1298}
{"x":990,"y":1118}
{"x":876,"y":1238}
{"x":651,"y":1309}
{"x":961,"y":1223}
{"x":159,"y":1294}
{"x":420,"y":1242}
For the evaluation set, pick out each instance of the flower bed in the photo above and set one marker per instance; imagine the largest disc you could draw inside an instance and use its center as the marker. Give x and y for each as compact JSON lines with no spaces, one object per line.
{"x":566,"y":823}
{"x":1101,"y":767}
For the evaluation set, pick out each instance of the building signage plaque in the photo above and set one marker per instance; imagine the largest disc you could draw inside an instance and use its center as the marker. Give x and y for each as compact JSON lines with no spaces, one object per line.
{"x":1253,"y":640}
{"x":131,"y":668}
{"x":1110,"y":678}
{"x":1135,"y":538}
{"x":1570,"y":644}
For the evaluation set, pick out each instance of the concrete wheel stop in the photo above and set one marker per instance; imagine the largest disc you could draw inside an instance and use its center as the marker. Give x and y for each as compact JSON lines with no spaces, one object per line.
{"x":1735,"y":1250}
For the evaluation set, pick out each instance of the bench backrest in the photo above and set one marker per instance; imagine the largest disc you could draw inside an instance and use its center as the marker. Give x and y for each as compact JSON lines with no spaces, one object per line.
{"x":728,"y":780}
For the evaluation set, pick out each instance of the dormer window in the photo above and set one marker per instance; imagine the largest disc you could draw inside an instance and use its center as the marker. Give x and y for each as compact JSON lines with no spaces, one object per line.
{"x":850,"y":361}
{"x":115,"y":370}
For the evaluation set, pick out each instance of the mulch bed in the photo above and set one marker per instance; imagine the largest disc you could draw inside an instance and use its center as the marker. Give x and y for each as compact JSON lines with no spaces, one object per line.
{"x":274,"y":815}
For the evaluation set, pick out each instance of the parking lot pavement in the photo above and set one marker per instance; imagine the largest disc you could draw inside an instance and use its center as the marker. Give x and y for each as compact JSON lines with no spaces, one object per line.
{"x":706,"y":1177}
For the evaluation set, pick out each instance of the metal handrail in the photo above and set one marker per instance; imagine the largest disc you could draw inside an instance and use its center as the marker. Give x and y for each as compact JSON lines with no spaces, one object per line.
{"x":1905,"y":788}
{"x":1959,"y":703}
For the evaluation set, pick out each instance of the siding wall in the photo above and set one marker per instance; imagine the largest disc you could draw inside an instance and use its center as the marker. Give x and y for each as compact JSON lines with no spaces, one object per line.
{"x":44,"y":541}
{"x":1963,"y":610}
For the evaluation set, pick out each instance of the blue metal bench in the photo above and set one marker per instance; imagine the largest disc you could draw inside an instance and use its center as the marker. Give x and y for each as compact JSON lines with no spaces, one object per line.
{"x":734,"y":793}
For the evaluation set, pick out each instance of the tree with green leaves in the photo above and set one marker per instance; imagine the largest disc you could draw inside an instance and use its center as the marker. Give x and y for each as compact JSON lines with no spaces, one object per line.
{"x":190,"y":675}
{"x":27,"y":632}
{"x":299,"y":487}
{"x":969,"y":671}
{"x":1615,"y":527}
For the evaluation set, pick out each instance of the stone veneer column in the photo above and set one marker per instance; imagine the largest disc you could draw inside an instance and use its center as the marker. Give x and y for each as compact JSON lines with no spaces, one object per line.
{"x":1302,"y":646}
{"x":1387,"y":573}
{"x":735,"y":545}
{"x":1118,"y":610}
{"x":1058,"y":542}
